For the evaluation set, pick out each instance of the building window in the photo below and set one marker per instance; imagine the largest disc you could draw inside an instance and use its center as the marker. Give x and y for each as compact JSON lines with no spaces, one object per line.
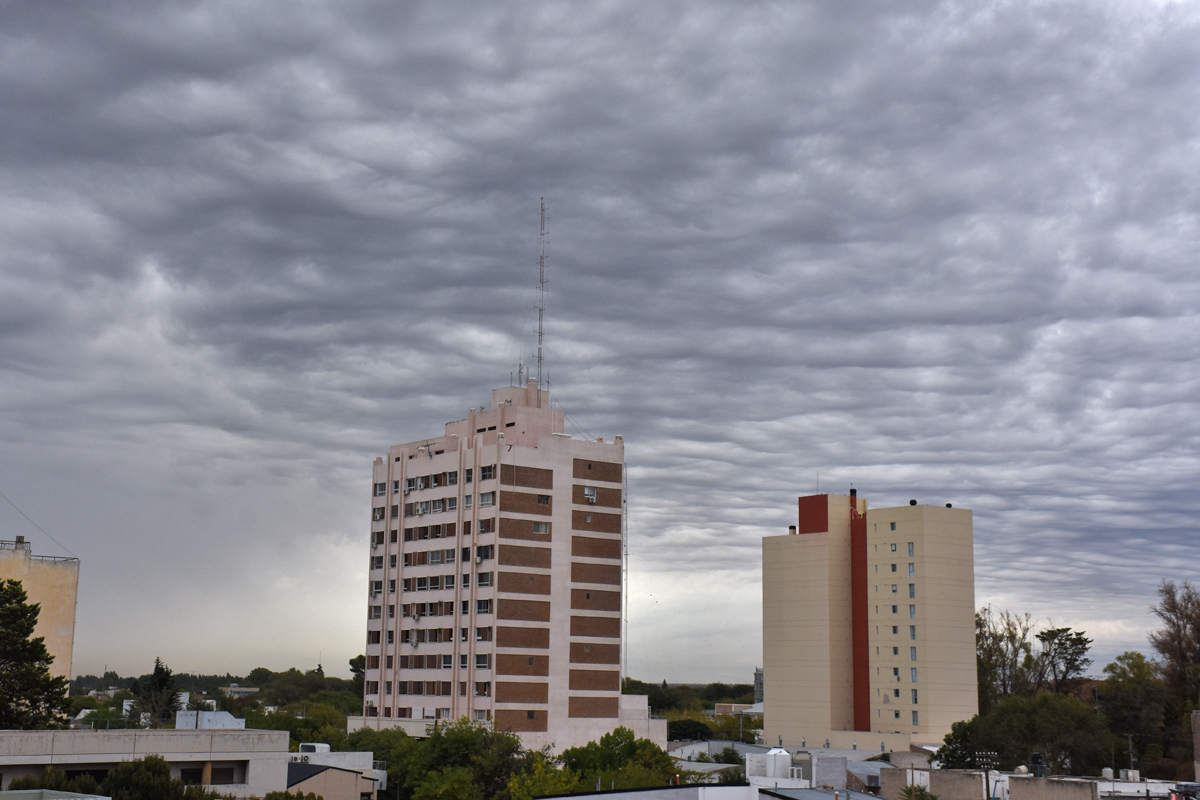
{"x":543,"y":499}
{"x":895,"y":629}
{"x":912,"y":673}
{"x":466,"y":581}
{"x":590,"y":494}
{"x":912,"y":570}
{"x":435,"y":557}
{"x":483,"y":634}
{"x":914,"y":697}
{"x":485,"y":552}
{"x":912,"y":612}
{"x":912,"y":591}
{"x":484,"y":579}
{"x":894,"y":609}
{"x":483,"y":661}
{"x":435,"y":583}
{"x":894,"y":587}
{"x":530,"y":715}
{"x":466,"y":476}
{"x":372,"y":637}
{"x":912,"y":633}
{"x":391,"y":612}
{"x":447,"y":661}
{"x":377,"y":513}
{"x":410,"y":484}
{"x":392,"y":560}
{"x":485,"y":607}
{"x":422,"y":584}
{"x":387,"y":687}
{"x":897,"y":712}
{"x":466,"y":502}
{"x":915,"y":718}
{"x":895,"y":692}
{"x":895,"y":651}
{"x":487,"y":473}
{"x":893,"y":567}
{"x":380,"y":489}
{"x":452,"y":504}
{"x":452,"y":478}
{"x":587,"y":517}
{"x":910,"y":549}
{"x":376,"y":612}
{"x":893,"y":528}
{"x":541,"y":527}
{"x":391,"y":639}
{"x":487,"y":499}
{"x":480,"y":714}
{"x":376,"y":562}
{"x":395,"y":512}
{"x":483,"y":688}
{"x":448,"y":582}
{"x":438,"y":506}
{"x":896,"y":673}
{"x":912,"y":654}
{"x":462,"y":661}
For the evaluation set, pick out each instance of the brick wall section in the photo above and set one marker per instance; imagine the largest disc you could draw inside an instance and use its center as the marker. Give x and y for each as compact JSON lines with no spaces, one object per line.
{"x":523,"y":583}
{"x":595,"y":600}
{"x":531,"y":610}
{"x":590,"y":546}
{"x":595,"y":653}
{"x":522,"y":529}
{"x":583,"y":469}
{"x":604,"y":627}
{"x":610,"y":498}
{"x":507,"y":719}
{"x":595,"y":680}
{"x":600,"y":522}
{"x":514,"y":555}
{"x":513,"y":664}
{"x":524,"y":503}
{"x":602,"y":707}
{"x":507,"y":636}
{"x":514,"y":692}
{"x":595,"y":573}
{"x":532,"y":477}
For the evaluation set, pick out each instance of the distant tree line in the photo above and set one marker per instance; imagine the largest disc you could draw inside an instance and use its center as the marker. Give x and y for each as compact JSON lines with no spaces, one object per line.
{"x":1033,"y":696}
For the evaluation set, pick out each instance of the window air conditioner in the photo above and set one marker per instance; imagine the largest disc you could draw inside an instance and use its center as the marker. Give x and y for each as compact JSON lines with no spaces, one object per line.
{"x":478,"y":559}
{"x":591,"y":499}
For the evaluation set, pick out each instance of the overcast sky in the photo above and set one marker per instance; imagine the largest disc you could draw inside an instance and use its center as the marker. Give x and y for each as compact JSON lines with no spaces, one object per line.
{"x":939,"y":250}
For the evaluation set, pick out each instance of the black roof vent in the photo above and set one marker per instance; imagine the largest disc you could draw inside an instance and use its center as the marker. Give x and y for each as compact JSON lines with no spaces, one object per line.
{"x":912,"y":502}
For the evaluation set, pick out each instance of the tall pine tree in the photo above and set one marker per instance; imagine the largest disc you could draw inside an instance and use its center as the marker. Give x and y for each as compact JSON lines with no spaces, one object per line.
{"x":30,"y":697}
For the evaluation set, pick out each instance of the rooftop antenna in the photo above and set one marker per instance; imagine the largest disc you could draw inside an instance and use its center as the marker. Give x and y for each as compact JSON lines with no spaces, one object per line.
{"x":541,"y":297}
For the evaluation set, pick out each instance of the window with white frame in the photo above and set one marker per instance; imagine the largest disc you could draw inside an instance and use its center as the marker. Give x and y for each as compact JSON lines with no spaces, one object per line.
{"x":487,"y":499}
{"x":483,"y":606}
{"x":590,"y":493}
{"x":541,"y":527}
{"x":487,"y":473}
{"x":466,"y":502}
{"x":452,"y":504}
{"x":483,"y":661}
{"x":380,"y":489}
{"x":483,"y":580}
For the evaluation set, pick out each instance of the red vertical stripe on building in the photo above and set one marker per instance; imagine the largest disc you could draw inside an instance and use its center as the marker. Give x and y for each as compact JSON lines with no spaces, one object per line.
{"x":814,"y":514}
{"x":858,"y":615}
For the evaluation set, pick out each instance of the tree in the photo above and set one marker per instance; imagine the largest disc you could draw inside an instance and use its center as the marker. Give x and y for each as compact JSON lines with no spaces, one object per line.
{"x":1072,"y":737}
{"x":543,"y":779}
{"x":156,"y":694}
{"x":687,"y":730}
{"x":1178,"y":641}
{"x":1004,"y":655}
{"x":30,"y":697}
{"x":621,"y":761}
{"x":1063,"y":658}
{"x":1132,"y":699}
{"x":150,"y":778}
{"x":358,"y":672}
{"x":55,"y":780}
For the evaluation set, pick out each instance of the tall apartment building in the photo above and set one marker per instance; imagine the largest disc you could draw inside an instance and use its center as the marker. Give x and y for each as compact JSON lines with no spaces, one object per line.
{"x":868,"y":625}
{"x":496,"y":579}
{"x":53,"y":583}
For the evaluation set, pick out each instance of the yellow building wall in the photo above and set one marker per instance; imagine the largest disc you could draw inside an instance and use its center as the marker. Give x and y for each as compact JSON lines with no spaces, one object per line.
{"x":52,"y":583}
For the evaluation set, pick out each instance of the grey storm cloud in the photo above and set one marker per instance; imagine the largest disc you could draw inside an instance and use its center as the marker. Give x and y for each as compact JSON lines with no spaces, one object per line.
{"x":939,"y":250}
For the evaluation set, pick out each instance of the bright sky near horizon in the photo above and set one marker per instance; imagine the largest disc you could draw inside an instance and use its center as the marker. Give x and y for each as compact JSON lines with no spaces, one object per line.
{"x":937,"y":250}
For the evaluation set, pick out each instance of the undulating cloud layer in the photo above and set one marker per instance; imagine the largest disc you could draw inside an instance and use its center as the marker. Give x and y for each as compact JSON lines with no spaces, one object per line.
{"x":937,"y":250}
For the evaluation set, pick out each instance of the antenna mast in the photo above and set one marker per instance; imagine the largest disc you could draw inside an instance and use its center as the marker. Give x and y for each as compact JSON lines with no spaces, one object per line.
{"x":541,"y":298}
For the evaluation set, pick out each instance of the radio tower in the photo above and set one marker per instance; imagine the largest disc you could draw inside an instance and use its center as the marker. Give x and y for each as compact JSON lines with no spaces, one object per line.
{"x":541,"y":298}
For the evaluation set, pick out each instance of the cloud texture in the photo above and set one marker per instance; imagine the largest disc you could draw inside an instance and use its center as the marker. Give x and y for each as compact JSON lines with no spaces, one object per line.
{"x":939,"y":250}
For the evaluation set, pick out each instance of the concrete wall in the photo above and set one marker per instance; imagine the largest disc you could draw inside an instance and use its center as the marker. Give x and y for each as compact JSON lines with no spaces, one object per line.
{"x":1051,"y":789}
{"x":952,"y":784}
{"x":893,"y":780}
{"x":335,"y":784}
{"x":53,"y":583}
{"x":258,"y":757}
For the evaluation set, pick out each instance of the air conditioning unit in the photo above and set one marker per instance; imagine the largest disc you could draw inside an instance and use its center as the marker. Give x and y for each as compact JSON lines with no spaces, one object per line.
{"x":420,"y":513}
{"x":478,"y":559}
{"x":591,"y":499}
{"x":406,"y":491}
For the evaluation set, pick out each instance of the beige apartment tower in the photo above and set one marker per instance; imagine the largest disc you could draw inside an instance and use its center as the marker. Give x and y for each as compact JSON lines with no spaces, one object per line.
{"x":495,"y":585}
{"x":868,"y":625}
{"x":53,"y":583}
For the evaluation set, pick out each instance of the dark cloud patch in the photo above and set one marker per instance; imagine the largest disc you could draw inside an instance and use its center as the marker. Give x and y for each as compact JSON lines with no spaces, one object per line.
{"x":936,"y":250}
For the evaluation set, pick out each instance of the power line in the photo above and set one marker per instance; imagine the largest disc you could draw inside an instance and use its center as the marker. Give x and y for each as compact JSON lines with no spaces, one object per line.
{"x":34,"y":524}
